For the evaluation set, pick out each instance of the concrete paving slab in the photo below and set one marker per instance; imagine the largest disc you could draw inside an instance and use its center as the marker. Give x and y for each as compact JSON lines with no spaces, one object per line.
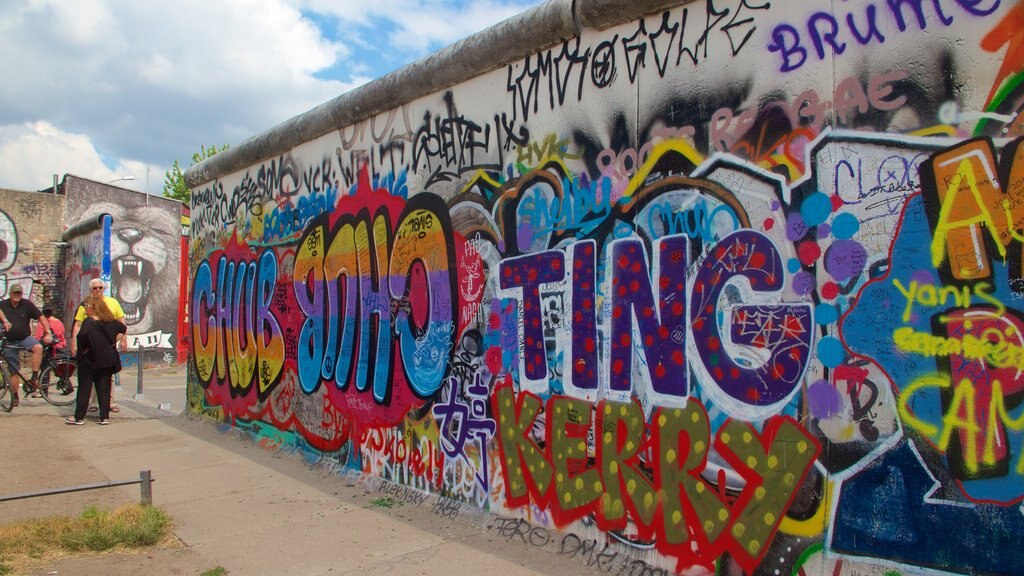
{"x":238,"y":506}
{"x":333,"y":541}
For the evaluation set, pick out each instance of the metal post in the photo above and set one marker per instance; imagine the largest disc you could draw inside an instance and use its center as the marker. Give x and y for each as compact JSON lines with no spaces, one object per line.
{"x":146,"y":486}
{"x":145,"y":480}
{"x":138,"y":382}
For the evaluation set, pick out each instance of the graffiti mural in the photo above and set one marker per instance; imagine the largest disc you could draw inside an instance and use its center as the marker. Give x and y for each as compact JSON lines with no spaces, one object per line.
{"x":30,"y":251}
{"x":732,"y":288}
{"x":139,"y":256}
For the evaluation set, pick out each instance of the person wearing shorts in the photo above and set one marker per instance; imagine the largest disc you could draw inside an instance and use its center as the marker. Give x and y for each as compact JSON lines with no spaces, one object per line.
{"x":17,"y":315}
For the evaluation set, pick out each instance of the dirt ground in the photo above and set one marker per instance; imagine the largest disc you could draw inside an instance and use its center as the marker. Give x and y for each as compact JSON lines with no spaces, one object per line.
{"x":34,"y":458}
{"x":173,"y":561}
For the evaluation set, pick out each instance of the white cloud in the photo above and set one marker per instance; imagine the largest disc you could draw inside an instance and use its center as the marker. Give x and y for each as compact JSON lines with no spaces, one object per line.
{"x":98,"y":88}
{"x":30,"y":154}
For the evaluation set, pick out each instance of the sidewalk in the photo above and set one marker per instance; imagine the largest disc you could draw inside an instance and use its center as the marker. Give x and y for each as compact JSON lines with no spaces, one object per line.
{"x":237,"y":506}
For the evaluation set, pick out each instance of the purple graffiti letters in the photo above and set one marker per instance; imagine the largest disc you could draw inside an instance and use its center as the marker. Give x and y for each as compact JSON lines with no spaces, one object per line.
{"x":459,"y":422}
{"x":528,"y":273}
{"x":583,"y":374}
{"x":758,"y":363}
{"x":827,"y":33}
{"x":776,"y":337}
{"x":663,"y":335}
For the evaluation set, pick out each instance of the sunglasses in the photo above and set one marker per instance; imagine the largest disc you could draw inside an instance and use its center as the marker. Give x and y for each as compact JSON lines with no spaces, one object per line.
{"x":97,"y":287}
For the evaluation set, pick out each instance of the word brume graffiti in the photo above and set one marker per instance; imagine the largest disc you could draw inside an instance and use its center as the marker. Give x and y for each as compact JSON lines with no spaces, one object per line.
{"x":831,"y":34}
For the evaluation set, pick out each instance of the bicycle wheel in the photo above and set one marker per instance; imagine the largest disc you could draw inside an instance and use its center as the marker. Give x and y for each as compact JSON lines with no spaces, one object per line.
{"x":55,"y":381}
{"x":6,"y":399}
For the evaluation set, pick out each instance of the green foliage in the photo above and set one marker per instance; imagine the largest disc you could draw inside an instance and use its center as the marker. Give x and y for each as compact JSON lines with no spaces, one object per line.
{"x":100,"y":530}
{"x":218,"y":571}
{"x":174,"y":180}
{"x":385,"y":502}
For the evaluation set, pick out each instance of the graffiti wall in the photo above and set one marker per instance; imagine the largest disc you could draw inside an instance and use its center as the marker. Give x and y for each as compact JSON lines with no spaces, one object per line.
{"x":730,"y":288}
{"x":137,"y":251}
{"x":30,"y":250}
{"x":88,"y":243}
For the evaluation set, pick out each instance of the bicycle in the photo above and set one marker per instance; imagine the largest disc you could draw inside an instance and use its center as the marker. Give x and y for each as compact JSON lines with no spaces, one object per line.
{"x":54,"y":375}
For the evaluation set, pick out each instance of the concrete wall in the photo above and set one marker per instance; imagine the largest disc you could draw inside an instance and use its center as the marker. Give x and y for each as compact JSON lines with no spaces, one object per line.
{"x":30,"y":250}
{"x":731,"y":286}
{"x":138,"y":252}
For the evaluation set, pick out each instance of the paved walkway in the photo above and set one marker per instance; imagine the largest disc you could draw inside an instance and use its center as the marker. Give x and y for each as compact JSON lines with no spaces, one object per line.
{"x":238,"y":506}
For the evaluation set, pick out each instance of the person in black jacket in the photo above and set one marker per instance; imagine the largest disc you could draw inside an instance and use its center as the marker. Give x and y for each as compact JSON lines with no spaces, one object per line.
{"x":97,"y":358}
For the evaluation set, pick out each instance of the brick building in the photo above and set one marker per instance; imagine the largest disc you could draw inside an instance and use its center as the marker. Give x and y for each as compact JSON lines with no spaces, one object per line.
{"x":53,"y":241}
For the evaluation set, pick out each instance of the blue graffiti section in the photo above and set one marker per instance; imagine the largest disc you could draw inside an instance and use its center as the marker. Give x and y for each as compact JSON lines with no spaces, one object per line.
{"x":894,"y":313}
{"x":906,"y":523}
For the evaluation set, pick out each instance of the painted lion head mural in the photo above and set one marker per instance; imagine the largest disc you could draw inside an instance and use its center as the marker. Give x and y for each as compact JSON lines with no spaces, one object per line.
{"x":145,"y":257}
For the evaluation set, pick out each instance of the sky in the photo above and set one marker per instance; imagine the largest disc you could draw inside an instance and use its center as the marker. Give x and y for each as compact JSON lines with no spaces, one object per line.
{"x":117,"y":90}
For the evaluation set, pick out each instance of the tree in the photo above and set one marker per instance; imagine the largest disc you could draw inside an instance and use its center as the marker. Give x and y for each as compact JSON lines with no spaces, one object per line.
{"x":174,"y":181}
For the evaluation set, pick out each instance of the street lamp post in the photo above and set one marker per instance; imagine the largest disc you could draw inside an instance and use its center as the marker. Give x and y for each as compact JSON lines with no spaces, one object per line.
{"x":121,"y":178}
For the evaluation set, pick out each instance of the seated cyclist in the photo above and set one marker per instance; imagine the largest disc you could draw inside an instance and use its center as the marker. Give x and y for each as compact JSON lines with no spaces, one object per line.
{"x":56,"y":329}
{"x":17,"y":315}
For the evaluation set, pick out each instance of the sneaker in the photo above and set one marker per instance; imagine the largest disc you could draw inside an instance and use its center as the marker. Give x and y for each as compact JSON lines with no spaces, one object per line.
{"x":103,"y":422}
{"x":71,"y":420}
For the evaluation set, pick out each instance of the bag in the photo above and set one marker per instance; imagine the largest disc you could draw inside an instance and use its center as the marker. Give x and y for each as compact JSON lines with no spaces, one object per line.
{"x":64,"y":368}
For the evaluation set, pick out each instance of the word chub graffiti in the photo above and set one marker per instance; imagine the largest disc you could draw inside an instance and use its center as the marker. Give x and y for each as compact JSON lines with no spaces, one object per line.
{"x":235,"y":335}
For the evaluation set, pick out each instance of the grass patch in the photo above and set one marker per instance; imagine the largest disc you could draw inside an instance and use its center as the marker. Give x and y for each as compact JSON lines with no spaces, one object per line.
{"x":95,"y":530}
{"x":385,"y":502}
{"x":218,"y":571}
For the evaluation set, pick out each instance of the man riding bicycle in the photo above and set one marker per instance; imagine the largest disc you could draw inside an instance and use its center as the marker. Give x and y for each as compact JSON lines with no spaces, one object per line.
{"x":17,"y":315}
